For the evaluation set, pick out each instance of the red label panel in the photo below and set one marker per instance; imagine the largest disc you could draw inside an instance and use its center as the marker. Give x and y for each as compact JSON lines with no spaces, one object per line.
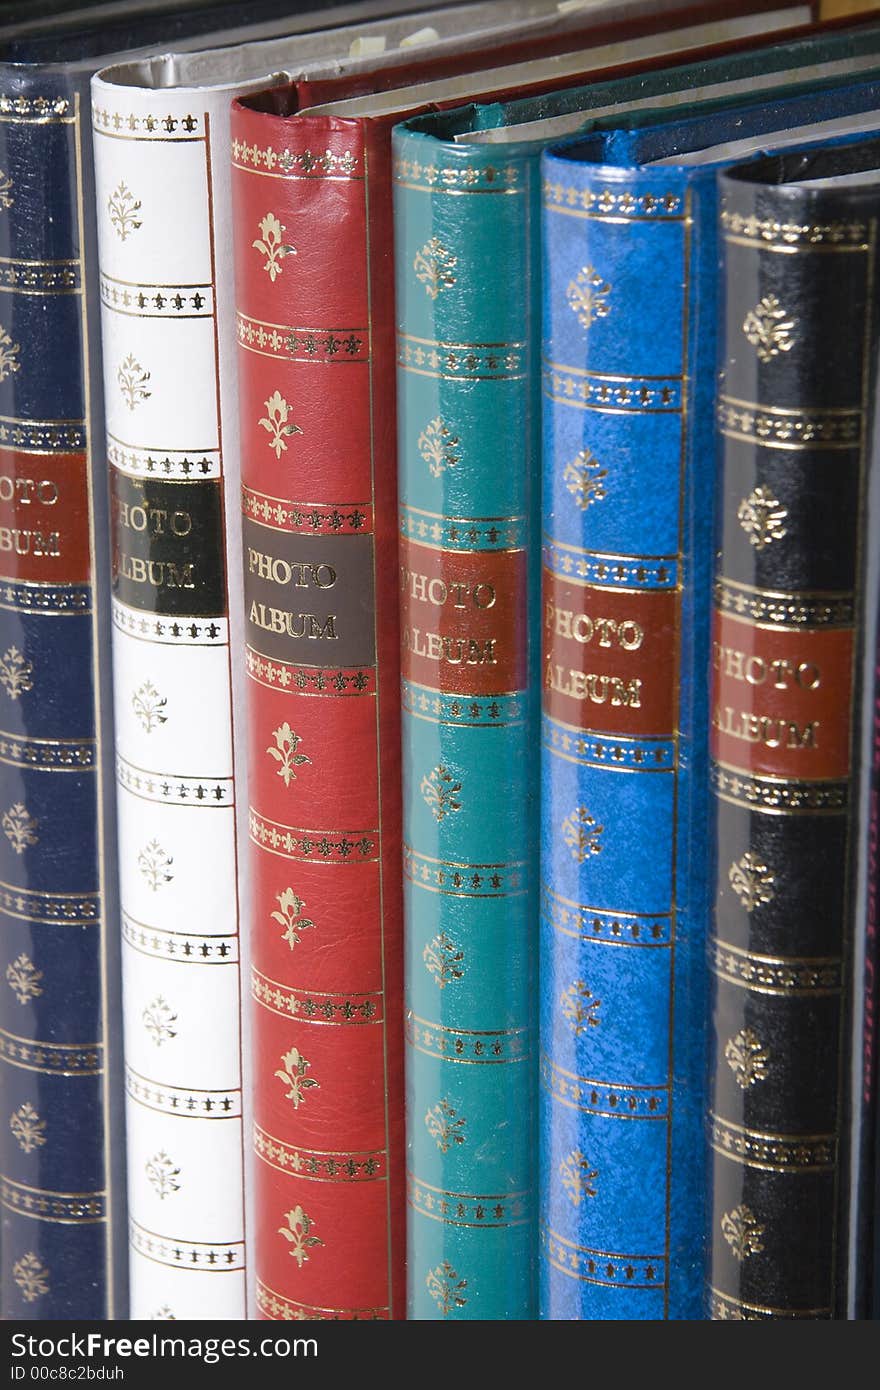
{"x":44,"y":517}
{"x":609,"y":658}
{"x":463,"y":619}
{"x":781,"y":701}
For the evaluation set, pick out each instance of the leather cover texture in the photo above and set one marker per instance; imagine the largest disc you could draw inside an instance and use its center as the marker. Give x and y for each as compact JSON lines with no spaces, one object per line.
{"x":469,"y":432}
{"x":628,"y":506}
{"x":794,"y":410}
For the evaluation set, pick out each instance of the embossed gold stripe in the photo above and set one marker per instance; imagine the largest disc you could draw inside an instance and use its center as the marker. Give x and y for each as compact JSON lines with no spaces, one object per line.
{"x":467,"y":1046}
{"x":22,"y":110}
{"x":48,"y":754}
{"x":58,"y":277}
{"x":53,"y":1059}
{"x":604,"y":927}
{"x":766,"y":234}
{"x":723,"y":1307}
{"x":775,"y":427}
{"x":465,"y":880}
{"x":776,"y":796}
{"x":200,"y":1256}
{"x":61,"y":1208}
{"x":319,"y":1165}
{"x":184,"y":1102}
{"x":612,"y":204}
{"x":300,"y":164}
{"x":782,"y":975}
{"x":498,"y":1210}
{"x":52,"y":909}
{"x":777,"y":1153}
{"x":277,"y":1307}
{"x":45,"y":600}
{"x":607,"y":1268}
{"x":316,"y":1006}
{"x":439,"y":178}
{"x":609,"y":1098}
{"x":290,"y":842}
{"x":180,"y":946}
{"x":772,"y":610}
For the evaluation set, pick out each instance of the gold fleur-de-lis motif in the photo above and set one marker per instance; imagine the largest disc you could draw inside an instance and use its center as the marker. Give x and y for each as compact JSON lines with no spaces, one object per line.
{"x":752,"y":881}
{"x":271,"y":246}
{"x":24,"y":978}
{"x":445,"y":1126}
{"x":583,"y":478}
{"x":582,"y":834}
{"x":578,"y":1178}
{"x":743,"y":1232}
{"x":158,"y":1019}
{"x":149,"y":706}
{"x":440,"y":791}
{"x":445,"y":1287}
{"x":761,"y":515}
{"x":443,"y":960}
{"x":15,"y":673}
{"x":284,"y":752}
{"x":154,"y":864}
{"x":298,"y":1232}
{"x":6,"y":187}
{"x":438,"y":446}
{"x":580,"y":1008}
{"x":31,"y":1276}
{"x":768,"y":329}
{"x":162,"y":1174}
{"x":20,"y":828}
{"x":123,"y":208}
{"x":433,"y":266}
{"x":132,"y":381}
{"x":290,"y":907}
{"x":27,"y":1127}
{"x":9,"y":351}
{"x":747,"y":1058}
{"x":294,"y":1075}
{"x":277,"y":421}
{"x":587,"y":295}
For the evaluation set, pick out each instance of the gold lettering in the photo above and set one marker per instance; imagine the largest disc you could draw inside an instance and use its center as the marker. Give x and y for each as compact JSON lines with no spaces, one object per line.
{"x":580,"y":627}
{"x":280,"y":620}
{"x":761,"y":728}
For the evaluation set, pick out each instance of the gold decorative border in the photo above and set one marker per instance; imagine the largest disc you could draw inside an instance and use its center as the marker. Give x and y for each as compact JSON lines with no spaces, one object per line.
{"x":177,"y":1100}
{"x":325,"y":346}
{"x":498,"y":1210}
{"x":173,"y":632}
{"x":460,"y":712}
{"x":315,"y":846}
{"x":593,"y":924}
{"x":601,"y":1266}
{"x":769,"y":235}
{"x":773,"y":797}
{"x":43,"y":436}
{"x":278,"y":1308}
{"x":280,"y":514}
{"x":303,"y":680}
{"x":593,"y":569}
{"x":48,"y":754}
{"x":438,"y":178}
{"x":37,"y":110}
{"x":776,"y":1153}
{"x":464,"y":1045}
{"x":456,"y":880}
{"x":796,"y":610}
{"x":612,"y":395}
{"x":609,"y":204}
{"x":63,"y":1208}
{"x":724,"y":1308}
{"x":40,"y":277}
{"x":220,"y":1257}
{"x":621,"y":1102}
{"x":127,"y":125}
{"x":461,"y":361}
{"x":149,"y":301}
{"x":787,"y":976}
{"x":317,"y":1006}
{"x":51,"y":909}
{"x":139,"y":461}
{"x":184,"y":948}
{"x":49,"y":600}
{"x":319,"y":1166}
{"x":618,"y":754}
{"x":52,"y":1059}
{"x":301,"y":164}
{"x":171,"y":789}
{"x":793,"y":430}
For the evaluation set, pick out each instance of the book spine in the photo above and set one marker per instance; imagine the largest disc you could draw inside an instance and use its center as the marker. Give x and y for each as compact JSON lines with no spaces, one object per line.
{"x":60,"y":1135}
{"x":167,"y":312}
{"x":624,"y":891}
{"x":469,"y":439}
{"x":315,"y":331}
{"x":792,"y":418}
